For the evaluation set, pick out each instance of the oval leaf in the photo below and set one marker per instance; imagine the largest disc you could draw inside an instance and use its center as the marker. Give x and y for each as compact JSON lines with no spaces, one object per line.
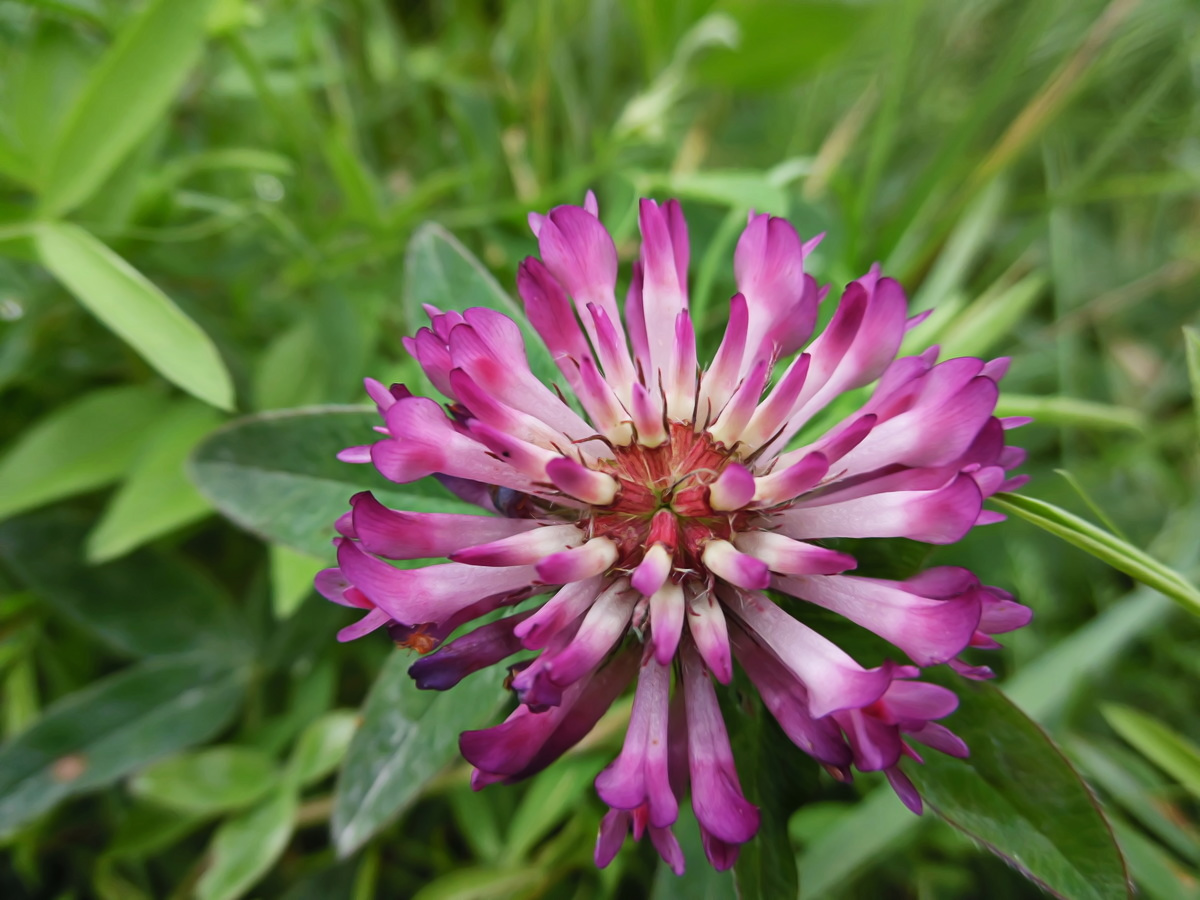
{"x":125,"y":96}
{"x":1170,"y":751}
{"x":91,"y":738}
{"x":277,"y":475}
{"x":84,"y":445}
{"x":322,"y":746}
{"x":123,"y":603}
{"x":244,"y":848}
{"x":406,"y":737}
{"x":157,"y":497}
{"x":1019,"y":796}
{"x":216,"y":779}
{"x":136,"y":311}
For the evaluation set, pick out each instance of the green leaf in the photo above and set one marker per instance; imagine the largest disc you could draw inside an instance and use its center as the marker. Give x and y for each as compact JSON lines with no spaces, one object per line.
{"x":91,"y":738}
{"x":1072,"y":412}
{"x":1139,"y":790}
{"x":440,"y":271}
{"x":149,"y":604}
{"x":1017,"y":795}
{"x":483,"y":883}
{"x":1191,"y":341}
{"x":291,"y":579}
{"x":1119,"y":554}
{"x":126,"y":95}
{"x":780,"y":41}
{"x":553,"y":795}
{"x":157,"y":497}
{"x":406,"y":737}
{"x":777,"y":778}
{"x":322,"y":746}
{"x":278,"y":476}
{"x":136,"y":311}
{"x":1171,"y":752}
{"x":880,"y":823}
{"x":83,"y":445}
{"x":212,"y":780}
{"x":245,"y":847}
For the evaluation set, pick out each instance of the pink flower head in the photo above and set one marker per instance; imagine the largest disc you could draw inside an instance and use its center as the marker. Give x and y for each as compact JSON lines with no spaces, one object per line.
{"x":666,"y":531}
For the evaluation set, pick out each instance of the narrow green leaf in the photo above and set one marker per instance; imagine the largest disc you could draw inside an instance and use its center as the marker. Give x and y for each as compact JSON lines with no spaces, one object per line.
{"x":976,"y":225}
{"x":1157,"y":874}
{"x":439,"y":270}
{"x":483,"y":883}
{"x":552,"y":796}
{"x":992,"y":317}
{"x":1119,"y":773}
{"x":1171,"y":752}
{"x":137,"y":311}
{"x":407,"y":736}
{"x":1191,"y":341}
{"x":1017,"y":795}
{"x":741,"y":189}
{"x":212,"y":780}
{"x":1119,"y":554}
{"x":115,"y":726}
{"x":322,"y":746}
{"x":244,"y":848}
{"x":86,"y":444}
{"x":126,"y":94}
{"x":277,"y":475}
{"x":149,"y":604}
{"x":780,"y":42}
{"x":157,"y":497}
{"x":1072,"y":412}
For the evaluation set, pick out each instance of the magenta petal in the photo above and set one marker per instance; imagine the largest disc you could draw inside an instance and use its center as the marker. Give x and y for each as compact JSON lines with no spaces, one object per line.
{"x":431,"y":594}
{"x":733,"y":489}
{"x":640,"y":774}
{"x":929,"y":630}
{"x":904,"y":789}
{"x":833,"y":680}
{"x":521,"y":549}
{"x":398,"y":534}
{"x":940,"y":516}
{"x":614,"y":828}
{"x":376,"y":618}
{"x":717,"y":797}
{"x":578,"y":563}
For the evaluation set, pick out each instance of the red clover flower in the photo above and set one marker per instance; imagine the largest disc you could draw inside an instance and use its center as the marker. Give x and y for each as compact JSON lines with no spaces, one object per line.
{"x":651,"y":528}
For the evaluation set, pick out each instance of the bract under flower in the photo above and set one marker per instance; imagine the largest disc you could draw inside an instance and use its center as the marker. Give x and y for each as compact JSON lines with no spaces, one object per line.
{"x":651,"y":527}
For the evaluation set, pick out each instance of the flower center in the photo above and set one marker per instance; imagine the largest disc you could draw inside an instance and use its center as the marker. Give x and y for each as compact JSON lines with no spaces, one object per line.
{"x":663,"y":499}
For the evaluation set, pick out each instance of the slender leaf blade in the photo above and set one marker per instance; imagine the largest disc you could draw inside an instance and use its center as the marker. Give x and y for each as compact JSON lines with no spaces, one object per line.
{"x":1170,"y":751}
{"x":86,"y":444}
{"x":1119,"y":554}
{"x":90,"y":738}
{"x":157,"y":497}
{"x":151,"y":603}
{"x":125,"y":96}
{"x":136,"y":311}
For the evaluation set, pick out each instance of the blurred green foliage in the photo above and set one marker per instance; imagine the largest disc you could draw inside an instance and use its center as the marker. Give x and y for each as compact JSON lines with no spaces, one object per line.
{"x":220,"y":207}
